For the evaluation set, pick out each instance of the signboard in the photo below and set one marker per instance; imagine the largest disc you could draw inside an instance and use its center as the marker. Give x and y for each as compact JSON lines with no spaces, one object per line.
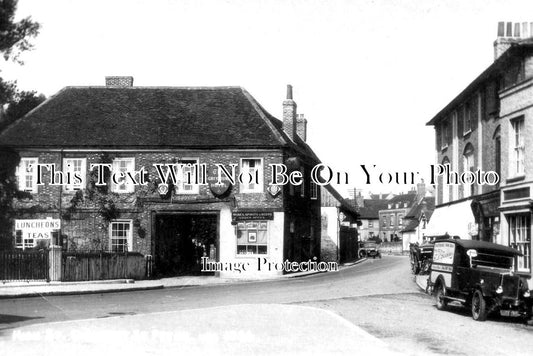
{"x":252,"y":215}
{"x":221,"y":189}
{"x":37,"y":224}
{"x":443,"y":252}
{"x":29,"y":231}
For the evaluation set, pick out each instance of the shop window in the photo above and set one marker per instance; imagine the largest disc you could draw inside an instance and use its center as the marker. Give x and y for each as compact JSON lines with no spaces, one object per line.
{"x":517,"y":147}
{"x":186,"y":176}
{"x":76,"y":167}
{"x":252,"y":238}
{"x":252,"y":175}
{"x":120,"y":235}
{"x":27,"y":175}
{"x":520,"y":239}
{"x":123,"y":165}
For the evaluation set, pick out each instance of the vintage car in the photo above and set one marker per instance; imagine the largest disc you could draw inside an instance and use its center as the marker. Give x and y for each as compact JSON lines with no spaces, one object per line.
{"x":421,"y":256}
{"x":369,"y":249}
{"x":480,"y":275}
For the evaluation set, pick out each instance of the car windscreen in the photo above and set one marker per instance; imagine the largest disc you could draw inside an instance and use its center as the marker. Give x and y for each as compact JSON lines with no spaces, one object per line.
{"x":488,"y":259}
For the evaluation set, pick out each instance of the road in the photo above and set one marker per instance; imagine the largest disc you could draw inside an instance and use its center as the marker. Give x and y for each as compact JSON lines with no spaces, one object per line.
{"x":380,"y":296}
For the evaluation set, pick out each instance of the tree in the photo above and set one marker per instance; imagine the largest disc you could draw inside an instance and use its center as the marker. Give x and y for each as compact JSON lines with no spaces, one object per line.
{"x":15,"y":36}
{"x":21,"y":103}
{"x":14,"y":39}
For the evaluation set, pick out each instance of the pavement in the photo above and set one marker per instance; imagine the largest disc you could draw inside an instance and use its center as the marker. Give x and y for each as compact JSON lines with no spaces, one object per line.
{"x":246,"y":329}
{"x":35,"y":289}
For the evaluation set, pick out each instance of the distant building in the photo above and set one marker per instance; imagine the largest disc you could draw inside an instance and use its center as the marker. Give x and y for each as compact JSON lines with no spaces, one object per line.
{"x":368,"y":210}
{"x":391,"y":218}
{"x":416,"y":220}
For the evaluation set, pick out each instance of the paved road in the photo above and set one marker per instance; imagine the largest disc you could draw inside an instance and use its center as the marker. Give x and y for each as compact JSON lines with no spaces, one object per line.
{"x":378,"y":295}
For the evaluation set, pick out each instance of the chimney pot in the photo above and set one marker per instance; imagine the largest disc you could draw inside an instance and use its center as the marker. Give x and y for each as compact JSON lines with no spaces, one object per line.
{"x":289,"y":92}
{"x":509,"y":32}
{"x":501,"y":29}
{"x":517,"y":30}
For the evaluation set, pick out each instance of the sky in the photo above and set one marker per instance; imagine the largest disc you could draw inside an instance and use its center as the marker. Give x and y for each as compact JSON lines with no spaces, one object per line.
{"x":367,"y":75}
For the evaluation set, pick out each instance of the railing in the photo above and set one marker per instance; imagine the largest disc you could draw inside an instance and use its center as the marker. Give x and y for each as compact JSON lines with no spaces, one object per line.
{"x":17,"y":265}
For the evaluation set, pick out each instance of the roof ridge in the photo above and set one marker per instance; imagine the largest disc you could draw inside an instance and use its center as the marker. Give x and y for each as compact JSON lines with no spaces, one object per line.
{"x":259,"y":109}
{"x":152,"y":87}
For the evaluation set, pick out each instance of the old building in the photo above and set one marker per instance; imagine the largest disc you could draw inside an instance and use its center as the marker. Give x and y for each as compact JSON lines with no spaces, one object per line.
{"x":137,"y":169}
{"x":339,"y":232}
{"x":391,"y":217}
{"x":488,"y":127}
{"x":415,"y":221}
{"x":368,"y":210}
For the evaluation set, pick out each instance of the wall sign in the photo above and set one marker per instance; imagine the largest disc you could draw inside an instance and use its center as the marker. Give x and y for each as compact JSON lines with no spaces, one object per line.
{"x":252,"y":215}
{"x":221,"y":189}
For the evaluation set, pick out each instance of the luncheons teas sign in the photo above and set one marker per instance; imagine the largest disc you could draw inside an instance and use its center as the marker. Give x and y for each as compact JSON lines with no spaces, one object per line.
{"x":37,"y":228}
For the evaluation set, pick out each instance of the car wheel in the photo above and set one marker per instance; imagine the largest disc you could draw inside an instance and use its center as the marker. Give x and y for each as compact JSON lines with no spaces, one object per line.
{"x":479,"y":306}
{"x":362,"y":254}
{"x":441,"y":301}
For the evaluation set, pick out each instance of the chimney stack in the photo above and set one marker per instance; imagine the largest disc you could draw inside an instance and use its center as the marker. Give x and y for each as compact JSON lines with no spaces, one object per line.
{"x":421,"y":189}
{"x":118,"y":82}
{"x":510,"y":33}
{"x":359,"y":199}
{"x":289,"y":115}
{"x":301,"y":126}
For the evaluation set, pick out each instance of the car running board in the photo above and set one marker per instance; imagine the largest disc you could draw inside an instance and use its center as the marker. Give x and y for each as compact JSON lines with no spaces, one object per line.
{"x":455,"y":299}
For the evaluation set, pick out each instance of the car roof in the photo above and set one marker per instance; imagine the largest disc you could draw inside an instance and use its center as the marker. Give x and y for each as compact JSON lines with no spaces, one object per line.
{"x":483,"y":245}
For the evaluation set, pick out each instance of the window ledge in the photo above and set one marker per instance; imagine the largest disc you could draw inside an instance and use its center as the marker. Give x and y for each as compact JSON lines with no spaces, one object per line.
{"x":515,"y":179}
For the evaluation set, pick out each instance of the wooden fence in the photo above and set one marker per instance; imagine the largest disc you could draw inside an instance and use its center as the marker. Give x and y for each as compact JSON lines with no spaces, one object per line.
{"x":18,"y":265}
{"x":87,"y":266}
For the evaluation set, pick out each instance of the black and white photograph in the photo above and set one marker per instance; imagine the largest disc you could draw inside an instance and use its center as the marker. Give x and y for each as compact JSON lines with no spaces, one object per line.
{"x":266,"y":177}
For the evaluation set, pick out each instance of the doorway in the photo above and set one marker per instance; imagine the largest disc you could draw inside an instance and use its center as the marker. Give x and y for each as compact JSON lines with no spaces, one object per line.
{"x":181,"y":240}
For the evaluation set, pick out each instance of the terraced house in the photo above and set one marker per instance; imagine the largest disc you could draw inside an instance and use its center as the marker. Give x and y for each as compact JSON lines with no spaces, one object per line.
{"x":100,"y":186}
{"x":489,"y":127}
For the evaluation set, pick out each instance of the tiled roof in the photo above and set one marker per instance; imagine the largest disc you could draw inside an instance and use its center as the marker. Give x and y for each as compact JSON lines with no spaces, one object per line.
{"x":498,"y":65}
{"x":371,"y":208}
{"x":426,"y":206}
{"x":149,"y":117}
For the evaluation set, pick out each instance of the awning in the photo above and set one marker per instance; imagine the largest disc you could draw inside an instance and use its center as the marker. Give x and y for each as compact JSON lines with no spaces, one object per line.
{"x":454,"y":219}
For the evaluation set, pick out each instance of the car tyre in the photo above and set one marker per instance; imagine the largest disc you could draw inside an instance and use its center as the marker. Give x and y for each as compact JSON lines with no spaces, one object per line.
{"x":479,"y":306}
{"x":362,"y":254}
{"x":440,"y":292}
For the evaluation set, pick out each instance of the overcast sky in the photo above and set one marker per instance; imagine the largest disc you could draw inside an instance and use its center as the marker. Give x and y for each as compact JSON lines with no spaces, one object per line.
{"x":367,"y":74}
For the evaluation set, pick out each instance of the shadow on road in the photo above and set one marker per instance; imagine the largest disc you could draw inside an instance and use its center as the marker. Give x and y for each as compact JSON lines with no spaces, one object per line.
{"x":10,"y":319}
